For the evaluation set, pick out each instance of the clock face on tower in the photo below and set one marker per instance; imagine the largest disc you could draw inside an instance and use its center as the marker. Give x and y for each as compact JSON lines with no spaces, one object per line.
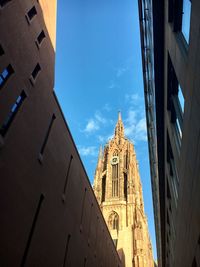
{"x":114,"y":160}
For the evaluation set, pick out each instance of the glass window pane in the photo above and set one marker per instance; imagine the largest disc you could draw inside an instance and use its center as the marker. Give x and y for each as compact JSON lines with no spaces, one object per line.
{"x":5,"y":73}
{"x":1,"y":80}
{"x":186,"y":19}
{"x":181,"y":98}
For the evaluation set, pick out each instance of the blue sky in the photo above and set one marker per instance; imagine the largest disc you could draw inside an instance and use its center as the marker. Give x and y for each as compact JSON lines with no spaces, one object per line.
{"x":98,"y":72}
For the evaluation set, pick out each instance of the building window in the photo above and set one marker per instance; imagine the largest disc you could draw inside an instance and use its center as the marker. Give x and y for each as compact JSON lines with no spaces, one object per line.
{"x":31,"y":14}
{"x":113,"y":221}
{"x":172,"y":170}
{"x":103,"y":188}
{"x":115,"y":188}
{"x":175,"y":103}
{"x":116,"y":222}
{"x":47,"y":134}
{"x":14,"y":110}
{"x":105,"y":158}
{"x":4,"y":2}
{"x":186,"y":19}
{"x":32,"y":230}
{"x":181,"y":99}
{"x":40,"y":38}
{"x":125,"y":186}
{"x":5,"y":74}
{"x":35,"y":73}
{"x":179,"y":13}
{"x":1,"y":51}
{"x":126,"y":160}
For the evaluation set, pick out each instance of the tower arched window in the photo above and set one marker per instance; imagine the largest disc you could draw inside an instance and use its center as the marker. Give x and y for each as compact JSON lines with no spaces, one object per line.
{"x":113,"y":221}
{"x":116,"y":222}
{"x":115,"y":181}
{"x":115,"y":177}
{"x":115,"y":153}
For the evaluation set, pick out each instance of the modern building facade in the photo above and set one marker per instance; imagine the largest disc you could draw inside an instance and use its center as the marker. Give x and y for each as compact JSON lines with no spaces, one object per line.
{"x":118,"y":189}
{"x":49,"y":213}
{"x":170,"y":43}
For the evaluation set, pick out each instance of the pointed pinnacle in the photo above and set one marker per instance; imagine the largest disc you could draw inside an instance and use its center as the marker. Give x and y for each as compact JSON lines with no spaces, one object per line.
{"x":100,"y":152}
{"x":119,"y":116}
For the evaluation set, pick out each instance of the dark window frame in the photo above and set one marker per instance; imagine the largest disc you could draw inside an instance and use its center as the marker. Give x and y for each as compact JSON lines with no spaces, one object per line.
{"x":175,"y":16}
{"x":31,"y":14}
{"x":35,"y":73}
{"x":9,"y":69}
{"x":1,"y":50}
{"x":4,"y":3}
{"x":46,"y":138}
{"x":12,"y":114}
{"x":40,"y":39}
{"x":173,"y":102}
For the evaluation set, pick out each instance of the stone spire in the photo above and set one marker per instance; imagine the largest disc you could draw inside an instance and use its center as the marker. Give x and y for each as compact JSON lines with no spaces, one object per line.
{"x":98,"y":172}
{"x":118,"y":189}
{"x":100,"y":157}
{"x":119,"y":128}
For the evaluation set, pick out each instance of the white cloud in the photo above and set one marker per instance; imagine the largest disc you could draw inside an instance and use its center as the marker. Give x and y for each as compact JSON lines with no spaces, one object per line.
{"x":104,"y":139}
{"x":87,"y":151}
{"x":107,"y":107}
{"x":100,"y":118}
{"x":91,"y":126}
{"x":131,"y":119}
{"x":121,"y":71}
{"x":135,"y":126}
{"x":141,"y":130}
{"x":134,"y":99}
{"x":94,"y":123}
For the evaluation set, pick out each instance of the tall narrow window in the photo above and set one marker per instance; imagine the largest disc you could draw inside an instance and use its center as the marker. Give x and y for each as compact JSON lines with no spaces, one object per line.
{"x":116,"y":222}
{"x":36,"y":70}
{"x":103,"y":188}
{"x":175,"y":103}
{"x":179,"y":13}
{"x":32,"y":230}
{"x":40,"y":38}
{"x":115,"y":180}
{"x":31,"y":13}
{"x":66,"y":250}
{"x":113,"y":221}
{"x":67,"y":175}
{"x":1,"y":51}
{"x":35,"y":74}
{"x":46,"y":137}
{"x":126,"y":160}
{"x":5,"y":74}
{"x":172,"y":169}
{"x":105,"y":159}
{"x":186,"y":19}
{"x":14,"y":110}
{"x":4,"y":2}
{"x":125,"y":186}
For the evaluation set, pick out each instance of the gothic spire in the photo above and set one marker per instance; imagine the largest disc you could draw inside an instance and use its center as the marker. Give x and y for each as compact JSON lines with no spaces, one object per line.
{"x":119,"y":128}
{"x":100,"y":153}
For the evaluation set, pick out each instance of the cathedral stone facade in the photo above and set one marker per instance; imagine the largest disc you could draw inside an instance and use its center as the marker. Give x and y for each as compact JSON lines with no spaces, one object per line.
{"x":118,"y":190}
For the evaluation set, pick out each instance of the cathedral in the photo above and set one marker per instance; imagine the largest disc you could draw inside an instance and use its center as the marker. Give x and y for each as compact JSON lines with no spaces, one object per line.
{"x":118,"y":190}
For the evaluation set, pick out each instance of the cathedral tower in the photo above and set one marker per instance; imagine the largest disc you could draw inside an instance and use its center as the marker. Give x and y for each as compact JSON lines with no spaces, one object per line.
{"x":118,"y":189}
